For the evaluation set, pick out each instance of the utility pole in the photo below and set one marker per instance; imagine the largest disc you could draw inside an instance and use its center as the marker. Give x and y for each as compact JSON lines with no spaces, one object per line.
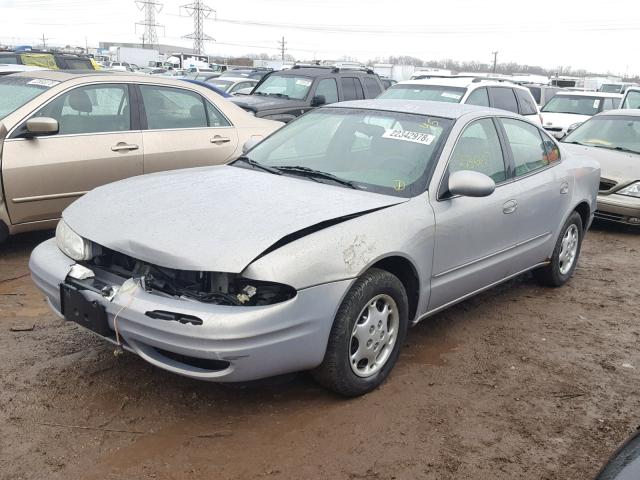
{"x":495,"y":61}
{"x":150,"y":7}
{"x":282,"y":47}
{"x":44,"y":42}
{"x":199,"y":11}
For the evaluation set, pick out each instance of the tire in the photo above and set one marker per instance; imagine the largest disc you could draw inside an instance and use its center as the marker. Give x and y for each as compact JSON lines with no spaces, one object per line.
{"x":557,"y":273}
{"x":375,"y":296}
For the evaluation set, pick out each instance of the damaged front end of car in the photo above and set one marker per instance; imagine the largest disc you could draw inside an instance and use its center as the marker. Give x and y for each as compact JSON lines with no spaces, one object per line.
{"x":110,"y":269}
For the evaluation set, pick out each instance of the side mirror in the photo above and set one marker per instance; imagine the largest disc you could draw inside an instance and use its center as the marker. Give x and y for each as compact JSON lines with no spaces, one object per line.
{"x":249,"y":144}
{"x":38,"y":126}
{"x":318,"y":100}
{"x":471,"y":184}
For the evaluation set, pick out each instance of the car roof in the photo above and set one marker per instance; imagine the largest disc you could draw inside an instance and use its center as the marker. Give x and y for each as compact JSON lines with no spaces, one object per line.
{"x":237,"y":79}
{"x":460,"y":82}
{"x":422,"y":107}
{"x":589,"y":94}
{"x":320,"y":71}
{"x":627,"y":112}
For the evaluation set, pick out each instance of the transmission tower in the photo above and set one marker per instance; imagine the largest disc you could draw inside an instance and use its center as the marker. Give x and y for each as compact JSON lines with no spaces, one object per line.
{"x":199,"y":11}
{"x":150,"y":7}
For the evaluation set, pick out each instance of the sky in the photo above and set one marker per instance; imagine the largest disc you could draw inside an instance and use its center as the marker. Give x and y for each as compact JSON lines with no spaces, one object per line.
{"x":582,"y":34}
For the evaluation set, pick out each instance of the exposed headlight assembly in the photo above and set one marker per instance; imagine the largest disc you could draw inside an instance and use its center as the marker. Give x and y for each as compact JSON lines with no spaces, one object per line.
{"x":72,"y":244}
{"x":632,"y":190}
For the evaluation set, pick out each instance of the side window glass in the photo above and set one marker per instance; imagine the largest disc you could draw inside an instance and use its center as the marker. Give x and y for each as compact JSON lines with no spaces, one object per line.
{"x":329,"y":88}
{"x":503,"y":98}
{"x":348,"y":88}
{"x":609,"y":104}
{"x":91,"y":109}
{"x":478,"y":149}
{"x":527,"y":105}
{"x":478,"y":97}
{"x":216,"y":119}
{"x":529,"y":151}
{"x":373,"y":89}
{"x":173,"y":108}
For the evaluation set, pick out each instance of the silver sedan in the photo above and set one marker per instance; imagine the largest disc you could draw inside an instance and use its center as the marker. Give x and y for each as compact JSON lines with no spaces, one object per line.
{"x":323,"y":244}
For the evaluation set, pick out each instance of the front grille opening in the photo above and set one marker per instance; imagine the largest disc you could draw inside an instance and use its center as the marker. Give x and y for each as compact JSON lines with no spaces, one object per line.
{"x":606,"y":184}
{"x":202,"y":363}
{"x":219,"y":288}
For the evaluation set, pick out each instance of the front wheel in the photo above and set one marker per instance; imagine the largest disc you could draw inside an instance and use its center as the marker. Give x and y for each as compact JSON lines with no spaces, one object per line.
{"x":565,"y":254}
{"x":366,"y":336}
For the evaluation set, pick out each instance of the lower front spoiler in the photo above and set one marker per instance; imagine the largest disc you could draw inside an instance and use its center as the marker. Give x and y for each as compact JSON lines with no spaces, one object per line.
{"x":233,"y":344}
{"x":619,"y":209}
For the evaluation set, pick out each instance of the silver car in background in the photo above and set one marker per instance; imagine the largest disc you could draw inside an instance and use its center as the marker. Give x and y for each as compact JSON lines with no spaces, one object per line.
{"x":319,"y":248}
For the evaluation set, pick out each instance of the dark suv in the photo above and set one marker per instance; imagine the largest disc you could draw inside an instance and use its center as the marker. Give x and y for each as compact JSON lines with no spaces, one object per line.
{"x":287,"y":94}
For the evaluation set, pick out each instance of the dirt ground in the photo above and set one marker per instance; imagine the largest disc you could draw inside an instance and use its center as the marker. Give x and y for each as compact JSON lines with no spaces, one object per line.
{"x":521,"y":382}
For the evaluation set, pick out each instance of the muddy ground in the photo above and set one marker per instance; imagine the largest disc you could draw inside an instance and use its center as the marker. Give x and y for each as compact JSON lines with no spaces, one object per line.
{"x":521,"y":382}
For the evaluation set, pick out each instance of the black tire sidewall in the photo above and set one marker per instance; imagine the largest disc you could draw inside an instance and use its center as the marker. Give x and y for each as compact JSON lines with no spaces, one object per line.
{"x":374,"y":282}
{"x":559,"y":278}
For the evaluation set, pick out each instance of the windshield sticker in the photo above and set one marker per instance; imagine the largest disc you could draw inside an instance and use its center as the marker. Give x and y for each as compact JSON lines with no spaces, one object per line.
{"x":303,"y":82}
{"x":596,"y":103}
{"x":455,"y":96}
{"x":399,"y":185}
{"x":407,"y":136}
{"x":42,"y":82}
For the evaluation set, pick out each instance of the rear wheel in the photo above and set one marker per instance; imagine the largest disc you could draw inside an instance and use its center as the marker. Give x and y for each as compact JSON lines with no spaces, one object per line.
{"x":366,"y":336}
{"x":565,"y":254}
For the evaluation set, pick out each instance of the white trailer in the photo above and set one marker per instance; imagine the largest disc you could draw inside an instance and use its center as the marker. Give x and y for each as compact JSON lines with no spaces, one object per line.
{"x":137,"y":56}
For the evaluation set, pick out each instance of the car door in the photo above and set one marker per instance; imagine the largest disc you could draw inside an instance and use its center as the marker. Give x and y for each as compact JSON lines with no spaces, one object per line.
{"x":98,"y":141}
{"x":544,"y":190}
{"x":183,"y":130}
{"x":474,"y":237}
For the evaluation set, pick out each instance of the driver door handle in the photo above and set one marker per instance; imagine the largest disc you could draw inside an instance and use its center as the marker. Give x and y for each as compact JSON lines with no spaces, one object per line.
{"x":123,"y":147}
{"x":509,"y":207}
{"x":218,"y":140}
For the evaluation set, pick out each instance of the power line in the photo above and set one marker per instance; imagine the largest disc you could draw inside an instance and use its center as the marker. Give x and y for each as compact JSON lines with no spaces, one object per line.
{"x":150,"y":7}
{"x":199,"y":11}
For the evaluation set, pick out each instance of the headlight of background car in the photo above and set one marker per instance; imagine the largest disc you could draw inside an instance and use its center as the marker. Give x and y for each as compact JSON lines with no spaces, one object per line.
{"x":632,"y":190}
{"x":72,"y":244}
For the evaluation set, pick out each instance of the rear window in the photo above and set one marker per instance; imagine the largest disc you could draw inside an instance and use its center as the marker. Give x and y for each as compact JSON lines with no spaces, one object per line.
{"x":16,"y":91}
{"x":527,"y":105}
{"x":536,"y":93}
{"x":77,"y":63}
{"x":373,"y":89}
{"x":504,"y":99}
{"x":436,"y":93}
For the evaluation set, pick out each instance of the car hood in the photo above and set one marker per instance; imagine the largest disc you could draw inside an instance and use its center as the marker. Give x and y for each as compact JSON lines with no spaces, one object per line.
{"x":212,"y":218}
{"x":621,"y":167}
{"x":259,"y":103}
{"x":562,"y":120}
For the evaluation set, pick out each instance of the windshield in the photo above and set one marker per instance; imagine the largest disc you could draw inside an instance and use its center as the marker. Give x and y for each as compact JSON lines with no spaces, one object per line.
{"x":632,"y":100}
{"x":384,"y":152}
{"x":221,"y":84}
{"x":611,"y":88}
{"x":615,"y":132}
{"x":16,"y":91}
{"x":573,"y":104}
{"x":285,"y":86}
{"x":436,"y":93}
